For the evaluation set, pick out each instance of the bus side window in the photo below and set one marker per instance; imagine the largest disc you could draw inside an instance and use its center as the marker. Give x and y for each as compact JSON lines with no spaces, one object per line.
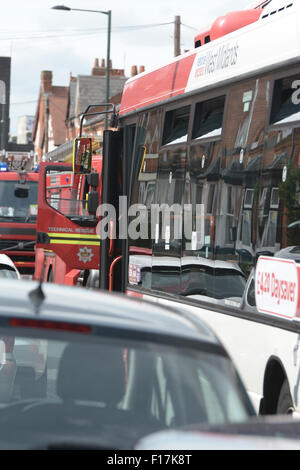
{"x":167,"y":246}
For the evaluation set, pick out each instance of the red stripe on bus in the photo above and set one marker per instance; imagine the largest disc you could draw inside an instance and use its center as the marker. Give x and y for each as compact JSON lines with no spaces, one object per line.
{"x":157,"y":86}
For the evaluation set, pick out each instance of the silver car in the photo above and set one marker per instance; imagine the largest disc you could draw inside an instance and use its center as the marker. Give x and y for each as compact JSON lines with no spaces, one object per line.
{"x":116,"y":369}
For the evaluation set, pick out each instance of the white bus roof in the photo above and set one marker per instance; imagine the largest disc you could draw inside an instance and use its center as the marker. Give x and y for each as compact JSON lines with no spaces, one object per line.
{"x":270,"y":42}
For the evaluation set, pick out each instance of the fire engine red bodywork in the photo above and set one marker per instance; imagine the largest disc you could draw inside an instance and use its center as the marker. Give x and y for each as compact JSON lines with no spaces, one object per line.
{"x":64,"y":248}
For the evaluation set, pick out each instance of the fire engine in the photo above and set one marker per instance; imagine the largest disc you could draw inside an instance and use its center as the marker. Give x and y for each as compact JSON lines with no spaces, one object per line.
{"x":68,"y":247}
{"x":18,"y":215}
{"x":67,"y":250}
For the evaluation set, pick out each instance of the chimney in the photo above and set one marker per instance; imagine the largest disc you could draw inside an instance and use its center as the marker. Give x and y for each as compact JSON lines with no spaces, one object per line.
{"x":96,"y":70}
{"x":46,"y":81}
{"x":133,"y":70}
{"x":142,"y":69}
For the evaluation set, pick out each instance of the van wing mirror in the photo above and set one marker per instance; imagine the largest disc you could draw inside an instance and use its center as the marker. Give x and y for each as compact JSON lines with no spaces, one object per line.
{"x":93,"y":180}
{"x":82,"y":155}
{"x":93,"y":202}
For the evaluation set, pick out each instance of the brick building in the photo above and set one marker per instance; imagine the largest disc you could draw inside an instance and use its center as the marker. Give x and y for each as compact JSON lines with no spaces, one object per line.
{"x":57,"y":120}
{"x":91,"y":89}
{"x":49,"y":130}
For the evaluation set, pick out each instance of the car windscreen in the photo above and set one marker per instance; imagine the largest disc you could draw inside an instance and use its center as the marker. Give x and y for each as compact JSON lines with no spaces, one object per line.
{"x":18,"y":202}
{"x":103,"y":387}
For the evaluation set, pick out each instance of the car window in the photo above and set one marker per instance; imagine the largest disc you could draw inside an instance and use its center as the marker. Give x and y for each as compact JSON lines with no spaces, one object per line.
{"x":74,"y":387}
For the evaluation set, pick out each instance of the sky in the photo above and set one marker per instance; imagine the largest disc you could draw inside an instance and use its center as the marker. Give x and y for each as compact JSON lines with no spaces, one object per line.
{"x":38,"y":38}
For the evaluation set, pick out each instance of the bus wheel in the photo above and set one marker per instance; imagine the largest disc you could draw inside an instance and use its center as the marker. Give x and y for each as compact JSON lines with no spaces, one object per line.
{"x":285,"y":402}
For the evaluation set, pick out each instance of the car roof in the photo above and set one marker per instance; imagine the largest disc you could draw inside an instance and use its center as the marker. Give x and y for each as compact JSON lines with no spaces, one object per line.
{"x":269,"y":432}
{"x":99,"y":308}
{"x":188,"y":440}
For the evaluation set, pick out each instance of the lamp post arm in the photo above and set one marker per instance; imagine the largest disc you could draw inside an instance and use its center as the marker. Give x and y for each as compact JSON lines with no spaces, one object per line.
{"x":92,"y":11}
{"x":108,"y":13}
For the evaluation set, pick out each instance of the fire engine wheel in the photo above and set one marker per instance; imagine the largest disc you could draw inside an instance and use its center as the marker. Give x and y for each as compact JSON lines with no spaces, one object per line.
{"x":285,"y":402}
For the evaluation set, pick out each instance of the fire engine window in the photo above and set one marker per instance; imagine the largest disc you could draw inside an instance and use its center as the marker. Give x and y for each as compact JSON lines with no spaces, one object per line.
{"x":176,"y":126}
{"x":286,"y":101}
{"x":208,"y":118}
{"x":18,"y":206}
{"x":63,"y":193}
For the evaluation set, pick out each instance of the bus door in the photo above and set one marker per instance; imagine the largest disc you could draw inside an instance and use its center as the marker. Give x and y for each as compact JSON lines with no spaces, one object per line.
{"x":112,"y":187}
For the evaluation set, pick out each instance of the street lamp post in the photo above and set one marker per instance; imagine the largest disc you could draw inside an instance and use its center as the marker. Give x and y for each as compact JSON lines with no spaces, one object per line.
{"x":2,"y":102}
{"x":108,"y":13}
